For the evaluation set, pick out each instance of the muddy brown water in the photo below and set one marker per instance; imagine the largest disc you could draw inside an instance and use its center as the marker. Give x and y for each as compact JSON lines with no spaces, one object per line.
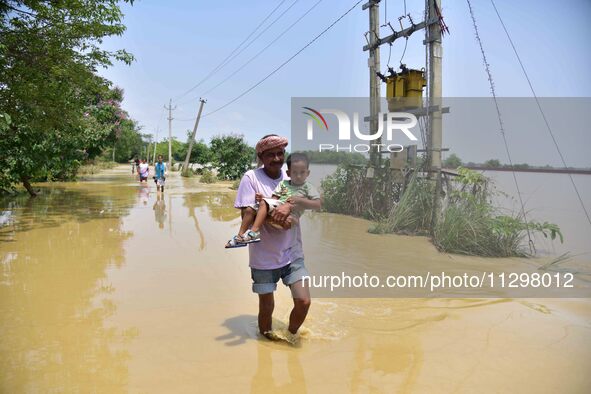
{"x":106,"y":287}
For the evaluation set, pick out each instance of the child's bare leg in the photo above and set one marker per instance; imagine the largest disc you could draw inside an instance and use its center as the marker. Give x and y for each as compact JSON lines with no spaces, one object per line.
{"x":248,"y":217}
{"x":260,"y":216}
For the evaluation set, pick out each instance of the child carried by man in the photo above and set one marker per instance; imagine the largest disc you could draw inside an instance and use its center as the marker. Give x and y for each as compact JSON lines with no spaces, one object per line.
{"x":288,"y":191}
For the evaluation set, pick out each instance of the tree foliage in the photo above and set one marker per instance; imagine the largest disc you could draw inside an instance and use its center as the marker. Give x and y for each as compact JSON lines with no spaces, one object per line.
{"x":492,"y":163}
{"x":178,"y":149}
{"x":231,"y":155}
{"x":200,"y":152}
{"x":453,"y":161}
{"x":49,"y":90}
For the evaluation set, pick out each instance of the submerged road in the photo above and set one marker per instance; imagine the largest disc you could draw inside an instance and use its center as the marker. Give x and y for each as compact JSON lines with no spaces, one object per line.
{"x":108,"y":287}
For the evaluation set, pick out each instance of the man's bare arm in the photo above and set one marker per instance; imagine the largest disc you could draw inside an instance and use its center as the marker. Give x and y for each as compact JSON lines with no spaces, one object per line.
{"x":281,"y":212}
{"x":305,"y":203}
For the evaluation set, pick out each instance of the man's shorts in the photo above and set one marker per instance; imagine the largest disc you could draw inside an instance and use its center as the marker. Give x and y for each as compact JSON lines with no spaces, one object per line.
{"x":160,"y":181}
{"x":265,"y":281}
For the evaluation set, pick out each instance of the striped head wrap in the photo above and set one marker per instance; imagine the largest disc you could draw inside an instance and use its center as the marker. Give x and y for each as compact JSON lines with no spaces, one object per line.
{"x":271,"y":142}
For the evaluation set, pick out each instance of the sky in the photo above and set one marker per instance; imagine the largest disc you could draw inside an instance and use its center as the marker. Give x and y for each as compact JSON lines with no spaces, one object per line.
{"x":178,"y":43}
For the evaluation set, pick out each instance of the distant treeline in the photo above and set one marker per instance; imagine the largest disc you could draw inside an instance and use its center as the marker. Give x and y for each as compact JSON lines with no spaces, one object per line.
{"x":329,"y":157}
{"x":453,"y":161}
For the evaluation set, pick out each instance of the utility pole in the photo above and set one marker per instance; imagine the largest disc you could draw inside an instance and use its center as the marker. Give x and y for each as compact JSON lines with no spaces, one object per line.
{"x":435,"y":88}
{"x":186,"y":163}
{"x":170,"y":109}
{"x":435,"y":94}
{"x":374,"y":82}
{"x":433,"y":23}
{"x":155,"y":145}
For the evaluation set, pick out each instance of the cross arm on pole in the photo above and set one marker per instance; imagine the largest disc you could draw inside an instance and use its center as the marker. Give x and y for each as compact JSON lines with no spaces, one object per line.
{"x":400,"y":34}
{"x":370,"y":3}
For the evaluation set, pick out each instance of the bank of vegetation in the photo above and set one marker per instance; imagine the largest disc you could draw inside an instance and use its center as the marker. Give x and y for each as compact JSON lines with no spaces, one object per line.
{"x":56,"y":111}
{"x":466,"y":221}
{"x":339,"y":158}
{"x":58,"y":117}
{"x":453,"y":161}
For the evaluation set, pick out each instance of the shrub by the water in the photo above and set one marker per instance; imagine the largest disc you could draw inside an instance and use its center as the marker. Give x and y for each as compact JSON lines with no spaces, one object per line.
{"x":412,"y":214}
{"x":235,"y":184}
{"x":207,"y":177}
{"x":467,"y":223}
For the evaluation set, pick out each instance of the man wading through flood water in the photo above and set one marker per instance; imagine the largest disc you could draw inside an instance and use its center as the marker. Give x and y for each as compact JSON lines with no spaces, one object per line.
{"x":280,"y":254}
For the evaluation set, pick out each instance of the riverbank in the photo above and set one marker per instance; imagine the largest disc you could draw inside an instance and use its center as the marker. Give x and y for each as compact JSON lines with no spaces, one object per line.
{"x":107,"y":285}
{"x":580,"y":171}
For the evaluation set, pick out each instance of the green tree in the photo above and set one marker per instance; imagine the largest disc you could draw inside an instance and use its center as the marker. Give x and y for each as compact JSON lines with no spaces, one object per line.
{"x":492,"y":163}
{"x":453,"y":161}
{"x":200,"y":152}
{"x":129,"y":144}
{"x":232,"y":155}
{"x":49,"y":55}
{"x":177,"y":149}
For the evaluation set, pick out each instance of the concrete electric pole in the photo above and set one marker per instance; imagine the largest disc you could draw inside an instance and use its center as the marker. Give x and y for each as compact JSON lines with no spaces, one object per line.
{"x":434,"y":87}
{"x":374,"y":82}
{"x":186,"y":163}
{"x":435,"y":99}
{"x":170,"y":109}
{"x":155,"y":145}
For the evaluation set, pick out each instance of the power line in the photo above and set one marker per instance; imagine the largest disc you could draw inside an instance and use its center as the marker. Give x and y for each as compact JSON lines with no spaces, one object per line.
{"x":403,"y":52}
{"x":264,"y":49}
{"x":501,"y":126}
{"x":542,"y":112}
{"x":284,"y":63}
{"x":212,"y":72}
{"x":254,"y":39}
{"x":405,"y":41}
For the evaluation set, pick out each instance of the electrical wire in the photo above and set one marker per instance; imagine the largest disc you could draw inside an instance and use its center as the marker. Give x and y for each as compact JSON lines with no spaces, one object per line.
{"x":501,"y":125}
{"x":389,"y":55}
{"x":542,"y":112}
{"x":217,"y":68}
{"x":262,"y":50}
{"x":284,"y":63}
{"x":403,"y":52}
{"x":239,"y":52}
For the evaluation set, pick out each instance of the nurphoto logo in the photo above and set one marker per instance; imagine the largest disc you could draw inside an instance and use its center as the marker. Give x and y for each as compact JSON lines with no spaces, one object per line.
{"x":394,"y":121}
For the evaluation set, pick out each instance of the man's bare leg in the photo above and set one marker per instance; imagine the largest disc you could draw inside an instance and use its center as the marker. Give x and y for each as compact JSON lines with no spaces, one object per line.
{"x":301,"y":305}
{"x":266,"y":306}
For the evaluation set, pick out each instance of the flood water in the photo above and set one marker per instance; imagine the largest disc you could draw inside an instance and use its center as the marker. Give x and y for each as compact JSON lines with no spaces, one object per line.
{"x":107,"y":287}
{"x":546,"y":197}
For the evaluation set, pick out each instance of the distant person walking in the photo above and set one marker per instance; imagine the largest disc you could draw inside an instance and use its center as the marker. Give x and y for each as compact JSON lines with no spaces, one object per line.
{"x":144,"y":171}
{"x":135,"y":165}
{"x":160,"y":174}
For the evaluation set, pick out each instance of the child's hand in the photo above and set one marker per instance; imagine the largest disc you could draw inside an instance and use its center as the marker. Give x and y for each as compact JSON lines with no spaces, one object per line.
{"x":293,"y":200}
{"x":258,"y":197}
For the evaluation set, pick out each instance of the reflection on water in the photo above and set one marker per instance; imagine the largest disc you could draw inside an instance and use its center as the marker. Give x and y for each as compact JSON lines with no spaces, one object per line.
{"x":55,"y":296}
{"x":54,"y":205}
{"x":160,"y":210}
{"x":219,"y":205}
{"x":190,"y":205}
{"x":144,"y":194}
{"x":278,"y":370}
